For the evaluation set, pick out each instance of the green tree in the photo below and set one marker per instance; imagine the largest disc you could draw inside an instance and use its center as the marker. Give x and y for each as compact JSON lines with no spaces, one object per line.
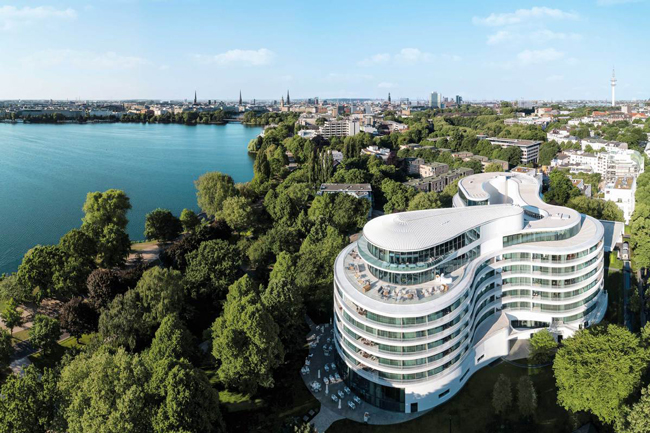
{"x":79,"y":244}
{"x":6,"y":348}
{"x":38,"y":269}
{"x":211,"y":269}
{"x":12,"y":316}
{"x":186,"y":402}
{"x":190,"y":220}
{"x":526,"y":397}
{"x":212,"y":189}
{"x":238,"y":213}
{"x":560,"y":188}
{"x":10,"y":287}
{"x":161,"y":294}
{"x":597,"y":369}
{"x":635,"y":301}
{"x":502,"y":395}
{"x":31,"y":403}
{"x":103,"y":285}
{"x":161,"y":225}
{"x":640,"y":230}
{"x":106,"y":208}
{"x":45,"y":333}
{"x":425,"y":200}
{"x":114,"y":246}
{"x":246,"y":343}
{"x":491,"y":168}
{"x":121,"y":323}
{"x":106,"y":392}
{"x":284,"y":301}
{"x":542,"y":347}
{"x":637,"y":418}
{"x":397,"y":195}
{"x":345,"y":212}
{"x":172,"y":341}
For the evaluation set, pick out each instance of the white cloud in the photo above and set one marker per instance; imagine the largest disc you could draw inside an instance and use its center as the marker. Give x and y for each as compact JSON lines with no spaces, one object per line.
{"x":82,"y":60}
{"x":286,"y":78}
{"x":163,"y":67}
{"x":616,"y":2}
{"x":522,"y":15}
{"x":12,"y":17}
{"x":413,"y":55}
{"x":546,"y":35}
{"x":385,"y":85}
{"x":530,"y":57}
{"x":554,"y":78}
{"x":375,"y":59}
{"x":498,"y":37}
{"x":242,"y":57}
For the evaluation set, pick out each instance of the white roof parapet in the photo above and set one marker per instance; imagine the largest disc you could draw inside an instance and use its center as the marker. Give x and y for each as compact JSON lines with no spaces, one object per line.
{"x":418,"y":230}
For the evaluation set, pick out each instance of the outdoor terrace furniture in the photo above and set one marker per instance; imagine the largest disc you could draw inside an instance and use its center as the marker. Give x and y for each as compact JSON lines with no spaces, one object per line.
{"x":331,"y":379}
{"x":326,"y":381}
{"x":334,"y":398}
{"x":346,"y":389}
{"x":352,"y":405}
{"x":333,"y":366}
{"x":356,"y":398}
{"x":341,"y":393}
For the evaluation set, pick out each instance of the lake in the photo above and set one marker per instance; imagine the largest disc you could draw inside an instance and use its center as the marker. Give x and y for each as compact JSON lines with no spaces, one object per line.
{"x":47,"y":170}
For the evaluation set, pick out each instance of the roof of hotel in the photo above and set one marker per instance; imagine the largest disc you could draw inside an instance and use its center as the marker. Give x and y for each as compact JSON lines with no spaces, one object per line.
{"x":418,"y":230}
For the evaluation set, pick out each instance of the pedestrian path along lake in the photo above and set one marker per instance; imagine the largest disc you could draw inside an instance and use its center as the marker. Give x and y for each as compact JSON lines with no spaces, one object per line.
{"x":47,"y":170}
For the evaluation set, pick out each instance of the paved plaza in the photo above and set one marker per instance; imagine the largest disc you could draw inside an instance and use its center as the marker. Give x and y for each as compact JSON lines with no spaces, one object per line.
{"x":321,"y":352}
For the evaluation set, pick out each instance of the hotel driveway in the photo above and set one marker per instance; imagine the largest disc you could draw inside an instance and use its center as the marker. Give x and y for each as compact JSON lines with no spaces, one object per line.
{"x":330,"y":411}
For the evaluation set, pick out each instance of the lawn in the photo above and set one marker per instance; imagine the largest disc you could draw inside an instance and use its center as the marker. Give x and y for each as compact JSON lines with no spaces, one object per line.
{"x":614,"y":262}
{"x":471,"y":411}
{"x":69,"y":344}
{"x":269,"y":409}
{"x":614,"y":287}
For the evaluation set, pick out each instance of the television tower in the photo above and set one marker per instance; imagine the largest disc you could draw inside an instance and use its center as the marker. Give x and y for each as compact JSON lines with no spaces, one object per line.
{"x":613,"y":87}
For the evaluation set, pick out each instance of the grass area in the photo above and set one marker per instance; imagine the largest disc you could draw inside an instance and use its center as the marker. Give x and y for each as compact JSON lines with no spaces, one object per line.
{"x":21,"y":335}
{"x":471,"y":411}
{"x":50,"y":360}
{"x":614,"y":262}
{"x":614,"y":287}
{"x":269,"y":409}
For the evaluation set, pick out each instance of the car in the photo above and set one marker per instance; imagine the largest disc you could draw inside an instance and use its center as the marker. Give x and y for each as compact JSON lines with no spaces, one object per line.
{"x":327,"y":367}
{"x":352,"y":405}
{"x":341,"y":393}
{"x":347,"y":390}
{"x":357,"y":399}
{"x":335,"y":398}
{"x":326,"y":381}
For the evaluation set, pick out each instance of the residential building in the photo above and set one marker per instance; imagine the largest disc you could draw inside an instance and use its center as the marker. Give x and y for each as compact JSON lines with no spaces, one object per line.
{"x":433,"y":169}
{"x":380,"y":152}
{"x":529,"y":148}
{"x":598,"y":144}
{"x":561,"y":136}
{"x":585,"y":188}
{"x":413,"y":165}
{"x":439,"y":182}
{"x":621,"y":191}
{"x":358,"y":190}
{"x":339,"y":128}
{"x":424,"y":299}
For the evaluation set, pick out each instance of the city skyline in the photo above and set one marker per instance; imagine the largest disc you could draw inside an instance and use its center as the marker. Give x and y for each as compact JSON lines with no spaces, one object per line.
{"x":161,"y":50}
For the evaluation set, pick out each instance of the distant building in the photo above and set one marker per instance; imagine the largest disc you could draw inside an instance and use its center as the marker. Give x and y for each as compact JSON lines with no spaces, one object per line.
{"x":597,"y":144}
{"x":433,"y":169}
{"x":529,"y":148}
{"x":561,"y":136}
{"x":379,"y":152}
{"x":339,"y":128}
{"x":435,"y":100}
{"x":585,"y":188}
{"x":358,"y":190}
{"x":438,"y":183}
{"x":459,"y":99}
{"x":621,"y":191}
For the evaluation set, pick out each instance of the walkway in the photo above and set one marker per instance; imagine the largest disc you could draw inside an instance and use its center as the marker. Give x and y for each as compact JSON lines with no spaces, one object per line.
{"x":321,"y":336}
{"x":626,"y":295}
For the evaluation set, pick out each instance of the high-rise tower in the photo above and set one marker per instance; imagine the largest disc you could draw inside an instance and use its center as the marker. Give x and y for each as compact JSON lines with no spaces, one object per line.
{"x":613,"y":87}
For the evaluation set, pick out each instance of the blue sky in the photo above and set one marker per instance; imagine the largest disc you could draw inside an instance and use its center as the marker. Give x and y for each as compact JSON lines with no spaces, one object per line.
{"x":112,"y":49}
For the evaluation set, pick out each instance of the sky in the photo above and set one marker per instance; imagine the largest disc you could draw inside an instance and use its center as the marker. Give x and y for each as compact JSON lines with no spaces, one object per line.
{"x":167,"y":49}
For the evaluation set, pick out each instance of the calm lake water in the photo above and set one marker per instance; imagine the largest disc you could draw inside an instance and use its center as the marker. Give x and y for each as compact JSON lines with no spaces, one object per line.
{"x":46,"y":171}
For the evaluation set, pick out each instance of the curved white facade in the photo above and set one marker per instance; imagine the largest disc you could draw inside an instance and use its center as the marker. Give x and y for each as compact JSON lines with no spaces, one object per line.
{"x":423,"y":299}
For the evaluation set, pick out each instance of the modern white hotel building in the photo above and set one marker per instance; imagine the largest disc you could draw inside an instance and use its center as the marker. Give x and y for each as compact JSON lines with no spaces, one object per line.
{"x":424,"y":299}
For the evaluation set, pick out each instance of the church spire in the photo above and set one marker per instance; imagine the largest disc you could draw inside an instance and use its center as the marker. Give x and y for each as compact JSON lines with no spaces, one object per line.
{"x":389,"y":97}
{"x":195,"y":97}
{"x":288,"y":98}
{"x":240,"y":101}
